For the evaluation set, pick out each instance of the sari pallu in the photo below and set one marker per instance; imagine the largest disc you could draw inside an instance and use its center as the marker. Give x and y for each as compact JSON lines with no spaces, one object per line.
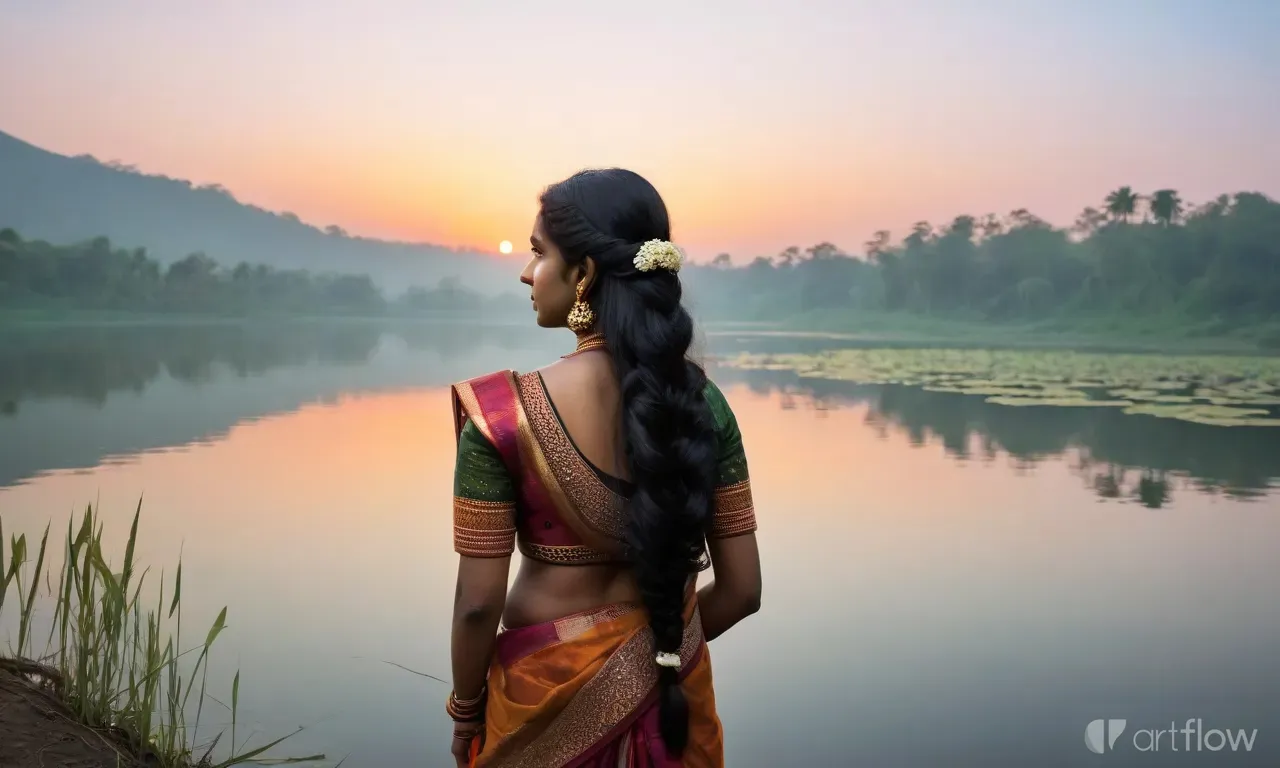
{"x":581,"y":692}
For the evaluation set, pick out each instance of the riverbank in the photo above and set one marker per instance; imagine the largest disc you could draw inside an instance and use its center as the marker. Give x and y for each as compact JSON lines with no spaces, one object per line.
{"x":115,"y":687}
{"x":38,"y":729}
{"x":1172,"y":334}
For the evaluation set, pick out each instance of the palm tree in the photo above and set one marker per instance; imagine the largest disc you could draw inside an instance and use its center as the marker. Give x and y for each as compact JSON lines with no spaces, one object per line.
{"x":1122,"y":203}
{"x":1166,"y":206}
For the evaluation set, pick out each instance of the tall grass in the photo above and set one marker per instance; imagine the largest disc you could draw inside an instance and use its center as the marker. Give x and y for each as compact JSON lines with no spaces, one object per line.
{"x":114,"y":664}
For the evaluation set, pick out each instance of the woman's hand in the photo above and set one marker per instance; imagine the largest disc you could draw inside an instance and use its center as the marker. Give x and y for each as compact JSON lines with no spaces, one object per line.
{"x":463,"y":734}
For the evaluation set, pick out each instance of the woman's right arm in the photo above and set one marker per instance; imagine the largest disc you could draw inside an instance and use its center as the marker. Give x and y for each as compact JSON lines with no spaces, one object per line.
{"x":734,"y":594}
{"x":484,"y":531}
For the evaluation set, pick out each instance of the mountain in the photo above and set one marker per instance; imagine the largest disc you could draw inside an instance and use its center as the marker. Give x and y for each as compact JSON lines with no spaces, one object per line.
{"x":70,"y":199}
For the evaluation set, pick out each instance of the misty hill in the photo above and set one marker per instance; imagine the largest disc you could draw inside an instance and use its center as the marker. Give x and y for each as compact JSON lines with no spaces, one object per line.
{"x":71,"y":199}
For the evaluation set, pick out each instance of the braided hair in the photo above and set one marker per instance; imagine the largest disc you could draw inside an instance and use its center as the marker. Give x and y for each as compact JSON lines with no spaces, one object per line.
{"x":667,"y":427}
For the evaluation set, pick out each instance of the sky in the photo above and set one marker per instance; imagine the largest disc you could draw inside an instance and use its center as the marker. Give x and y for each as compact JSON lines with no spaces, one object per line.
{"x":763,"y":124}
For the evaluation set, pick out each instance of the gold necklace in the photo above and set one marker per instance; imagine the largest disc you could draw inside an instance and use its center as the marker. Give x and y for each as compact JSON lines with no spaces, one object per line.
{"x":586,"y":343}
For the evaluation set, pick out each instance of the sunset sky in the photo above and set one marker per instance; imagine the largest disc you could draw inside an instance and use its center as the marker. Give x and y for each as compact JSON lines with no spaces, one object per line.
{"x":764,"y":124}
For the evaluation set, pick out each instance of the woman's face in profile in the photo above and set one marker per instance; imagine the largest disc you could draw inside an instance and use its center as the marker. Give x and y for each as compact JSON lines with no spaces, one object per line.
{"x":550,"y":278}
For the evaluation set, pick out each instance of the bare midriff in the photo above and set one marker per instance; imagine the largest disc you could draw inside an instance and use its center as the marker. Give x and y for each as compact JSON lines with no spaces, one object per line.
{"x":545,"y":592}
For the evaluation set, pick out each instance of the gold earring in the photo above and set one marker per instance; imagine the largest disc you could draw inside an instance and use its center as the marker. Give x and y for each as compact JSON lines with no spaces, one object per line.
{"x":581,"y":318}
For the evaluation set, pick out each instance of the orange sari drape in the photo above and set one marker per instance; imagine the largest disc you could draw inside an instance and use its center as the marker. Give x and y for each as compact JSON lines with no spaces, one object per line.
{"x":580,"y":692}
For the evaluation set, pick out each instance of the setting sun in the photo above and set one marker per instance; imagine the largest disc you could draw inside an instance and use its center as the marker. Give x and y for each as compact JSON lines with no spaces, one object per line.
{"x":505,"y":246}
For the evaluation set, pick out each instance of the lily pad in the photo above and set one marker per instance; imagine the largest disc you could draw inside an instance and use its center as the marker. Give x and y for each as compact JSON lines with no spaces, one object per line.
{"x":1045,"y":392}
{"x":1255,"y":401}
{"x":1058,"y":402}
{"x":1135,"y":394}
{"x":1254,"y":421}
{"x":1193,"y":412}
{"x":1218,"y":389}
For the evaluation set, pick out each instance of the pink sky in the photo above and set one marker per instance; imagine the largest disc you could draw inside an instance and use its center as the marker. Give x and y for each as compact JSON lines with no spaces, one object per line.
{"x":763,"y":124}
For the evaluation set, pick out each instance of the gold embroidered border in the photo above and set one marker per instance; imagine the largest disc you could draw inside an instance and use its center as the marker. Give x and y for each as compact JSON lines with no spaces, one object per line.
{"x":594,"y":516}
{"x":571,"y":626}
{"x":733,"y":511}
{"x":600,"y":507}
{"x":484,"y":515}
{"x":573,"y":554}
{"x":611,"y":695}
{"x":471,"y":544}
{"x":483,"y":528}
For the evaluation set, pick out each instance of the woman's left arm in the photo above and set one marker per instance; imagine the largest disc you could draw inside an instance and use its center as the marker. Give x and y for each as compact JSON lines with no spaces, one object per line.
{"x":734,"y":594}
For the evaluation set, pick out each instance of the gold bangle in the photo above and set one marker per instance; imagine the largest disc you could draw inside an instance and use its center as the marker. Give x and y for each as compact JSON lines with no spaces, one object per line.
{"x":484,"y":689}
{"x":466,"y":710}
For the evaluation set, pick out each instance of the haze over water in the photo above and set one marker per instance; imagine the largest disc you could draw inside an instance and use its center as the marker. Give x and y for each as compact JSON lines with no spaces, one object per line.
{"x":947,"y":583}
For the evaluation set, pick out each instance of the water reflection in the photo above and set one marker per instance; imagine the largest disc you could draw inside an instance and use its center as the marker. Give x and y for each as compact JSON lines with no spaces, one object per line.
{"x":72,"y":398}
{"x":75,"y":397}
{"x":88,"y":363}
{"x":1138,"y":458}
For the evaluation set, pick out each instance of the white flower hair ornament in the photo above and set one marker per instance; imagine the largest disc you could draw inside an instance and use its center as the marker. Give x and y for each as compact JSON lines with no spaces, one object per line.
{"x":658,"y":254}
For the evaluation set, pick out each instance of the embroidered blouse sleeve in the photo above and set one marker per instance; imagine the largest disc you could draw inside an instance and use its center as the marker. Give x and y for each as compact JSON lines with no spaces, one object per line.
{"x":732,"y":507}
{"x":484,"y":499}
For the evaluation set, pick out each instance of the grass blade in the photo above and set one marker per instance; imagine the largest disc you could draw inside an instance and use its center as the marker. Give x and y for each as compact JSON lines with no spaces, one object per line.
{"x":24,"y":620}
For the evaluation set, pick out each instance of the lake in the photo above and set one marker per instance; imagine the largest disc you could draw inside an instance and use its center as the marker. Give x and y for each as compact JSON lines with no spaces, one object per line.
{"x":948,"y":581}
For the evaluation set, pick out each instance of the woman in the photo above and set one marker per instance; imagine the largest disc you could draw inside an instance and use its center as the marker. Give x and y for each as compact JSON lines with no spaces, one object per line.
{"x":619,"y":469}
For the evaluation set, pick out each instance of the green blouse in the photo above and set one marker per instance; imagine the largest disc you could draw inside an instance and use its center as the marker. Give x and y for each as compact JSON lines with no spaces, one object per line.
{"x":479,"y":473}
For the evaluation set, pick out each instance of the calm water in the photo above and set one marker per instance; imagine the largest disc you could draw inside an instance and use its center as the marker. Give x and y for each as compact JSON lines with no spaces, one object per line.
{"x":947,"y":583}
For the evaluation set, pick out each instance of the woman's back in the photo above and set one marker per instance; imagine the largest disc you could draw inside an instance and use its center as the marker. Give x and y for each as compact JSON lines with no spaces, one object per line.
{"x":583,"y":393}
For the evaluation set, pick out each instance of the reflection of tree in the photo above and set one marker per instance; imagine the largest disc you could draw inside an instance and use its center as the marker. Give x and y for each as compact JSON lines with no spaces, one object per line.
{"x":1118,"y":456}
{"x":458,"y":340}
{"x":225,"y":365}
{"x":88,"y":363}
{"x":1107,"y":484}
{"x":1153,"y":489}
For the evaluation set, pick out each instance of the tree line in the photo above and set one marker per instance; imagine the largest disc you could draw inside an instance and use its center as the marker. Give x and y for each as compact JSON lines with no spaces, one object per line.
{"x":1133,"y":254}
{"x":96,"y":275}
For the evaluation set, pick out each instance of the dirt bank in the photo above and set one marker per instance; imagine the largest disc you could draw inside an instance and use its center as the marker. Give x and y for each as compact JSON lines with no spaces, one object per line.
{"x":38,"y":731}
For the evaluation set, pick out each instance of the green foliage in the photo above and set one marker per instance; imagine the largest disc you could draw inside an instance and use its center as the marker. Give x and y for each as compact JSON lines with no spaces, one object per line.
{"x":1216,"y":268}
{"x":1208,"y":272}
{"x":96,"y":276}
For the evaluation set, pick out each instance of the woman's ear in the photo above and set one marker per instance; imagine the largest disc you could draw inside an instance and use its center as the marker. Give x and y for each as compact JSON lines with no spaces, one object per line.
{"x":587,"y":274}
